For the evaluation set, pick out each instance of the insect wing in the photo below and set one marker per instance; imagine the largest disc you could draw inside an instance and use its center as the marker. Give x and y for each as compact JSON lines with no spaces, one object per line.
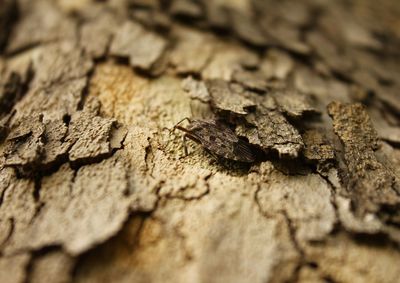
{"x":221,"y":140}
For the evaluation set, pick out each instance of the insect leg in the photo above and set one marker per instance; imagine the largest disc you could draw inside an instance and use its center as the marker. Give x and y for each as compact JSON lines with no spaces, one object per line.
{"x":188,"y":135}
{"x":184,"y":144}
{"x":177,"y":124}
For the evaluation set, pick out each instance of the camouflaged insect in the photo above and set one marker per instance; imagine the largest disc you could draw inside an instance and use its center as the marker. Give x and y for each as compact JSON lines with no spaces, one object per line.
{"x":218,"y":139}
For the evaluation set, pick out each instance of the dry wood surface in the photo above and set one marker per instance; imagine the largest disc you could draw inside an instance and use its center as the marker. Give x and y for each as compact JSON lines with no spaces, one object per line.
{"x":293,"y":165}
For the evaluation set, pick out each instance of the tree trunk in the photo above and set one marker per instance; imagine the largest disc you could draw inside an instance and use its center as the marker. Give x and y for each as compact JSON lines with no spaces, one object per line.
{"x":293,"y":174}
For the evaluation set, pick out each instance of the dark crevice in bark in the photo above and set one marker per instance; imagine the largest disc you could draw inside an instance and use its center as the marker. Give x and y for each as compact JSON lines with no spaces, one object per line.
{"x":25,"y":48}
{"x":194,"y":198}
{"x":36,"y":191}
{"x":302,"y":261}
{"x":85,"y":91}
{"x":374,"y":240}
{"x":34,"y":256}
{"x":292,"y":233}
{"x":66,"y":119}
{"x":103,"y":252}
{"x":256,"y":201}
{"x":149,"y":157}
{"x":17,"y":89}
{"x":76,"y":165}
{"x":28,"y":270}
{"x":333,"y":192}
{"x":3,"y":193}
{"x":9,"y":15}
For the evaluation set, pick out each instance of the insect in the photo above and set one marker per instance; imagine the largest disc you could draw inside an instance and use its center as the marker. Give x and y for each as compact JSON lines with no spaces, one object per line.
{"x":217,"y":138}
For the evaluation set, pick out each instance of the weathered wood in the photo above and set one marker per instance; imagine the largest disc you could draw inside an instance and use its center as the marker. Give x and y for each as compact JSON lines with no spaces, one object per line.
{"x":94,"y":188}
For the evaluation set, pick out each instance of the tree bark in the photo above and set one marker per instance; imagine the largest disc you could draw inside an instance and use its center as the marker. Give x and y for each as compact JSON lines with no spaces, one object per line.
{"x":95,"y":185}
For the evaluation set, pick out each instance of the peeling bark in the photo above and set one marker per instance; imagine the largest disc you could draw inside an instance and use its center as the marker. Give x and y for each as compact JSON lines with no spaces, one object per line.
{"x":95,"y":185}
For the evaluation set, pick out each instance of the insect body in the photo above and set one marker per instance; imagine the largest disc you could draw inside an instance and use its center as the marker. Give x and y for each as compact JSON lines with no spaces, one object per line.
{"x":218,"y":139}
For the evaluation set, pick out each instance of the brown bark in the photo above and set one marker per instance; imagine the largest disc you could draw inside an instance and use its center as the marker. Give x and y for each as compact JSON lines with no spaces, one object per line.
{"x":94,"y":184}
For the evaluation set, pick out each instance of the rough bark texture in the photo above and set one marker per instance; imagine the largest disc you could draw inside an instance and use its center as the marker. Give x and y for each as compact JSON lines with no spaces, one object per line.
{"x":94,"y":184}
